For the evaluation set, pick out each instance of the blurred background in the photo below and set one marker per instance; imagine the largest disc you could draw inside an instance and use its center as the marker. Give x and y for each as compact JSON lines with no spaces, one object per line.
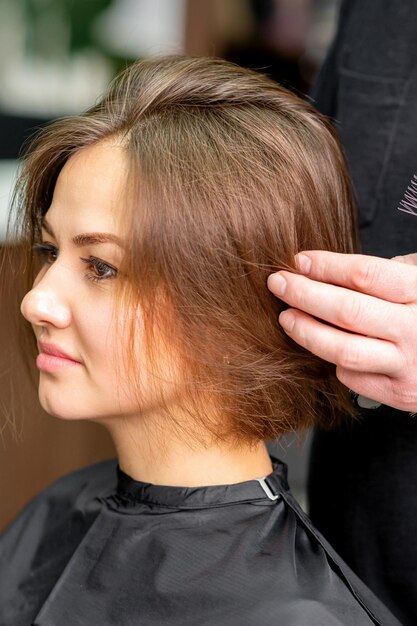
{"x":56,"y":58}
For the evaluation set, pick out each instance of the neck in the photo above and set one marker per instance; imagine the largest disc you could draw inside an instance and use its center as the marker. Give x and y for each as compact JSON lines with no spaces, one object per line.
{"x":168,"y":460}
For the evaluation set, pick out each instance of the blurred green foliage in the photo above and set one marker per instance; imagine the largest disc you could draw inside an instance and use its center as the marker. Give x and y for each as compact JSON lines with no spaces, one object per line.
{"x":57,"y":27}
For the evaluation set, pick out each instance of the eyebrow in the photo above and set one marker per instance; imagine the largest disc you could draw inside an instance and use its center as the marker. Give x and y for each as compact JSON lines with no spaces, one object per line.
{"x":87,"y":239}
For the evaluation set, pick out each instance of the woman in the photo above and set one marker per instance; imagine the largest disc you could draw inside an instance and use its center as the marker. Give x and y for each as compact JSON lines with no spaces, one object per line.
{"x":156,"y":217}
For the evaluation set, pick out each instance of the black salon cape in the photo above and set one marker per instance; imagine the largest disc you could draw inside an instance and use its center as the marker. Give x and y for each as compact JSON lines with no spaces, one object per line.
{"x":99,"y":548}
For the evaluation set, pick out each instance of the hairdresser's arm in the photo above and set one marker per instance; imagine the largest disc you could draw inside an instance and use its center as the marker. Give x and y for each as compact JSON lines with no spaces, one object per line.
{"x":372,"y":306}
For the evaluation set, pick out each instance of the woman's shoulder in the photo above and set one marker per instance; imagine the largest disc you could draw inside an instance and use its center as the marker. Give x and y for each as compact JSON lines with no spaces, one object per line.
{"x":72,"y":495}
{"x":79,"y":486}
{"x":93,"y":480}
{"x":38,"y":544}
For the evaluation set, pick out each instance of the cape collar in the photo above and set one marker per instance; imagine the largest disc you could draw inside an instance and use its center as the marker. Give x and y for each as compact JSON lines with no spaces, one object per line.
{"x":131,"y":492}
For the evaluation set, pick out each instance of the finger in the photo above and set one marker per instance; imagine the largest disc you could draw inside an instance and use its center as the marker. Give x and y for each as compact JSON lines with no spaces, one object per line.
{"x":408,"y":259}
{"x":383,"y":278}
{"x":381,"y":388}
{"x":352,"y":352}
{"x":347,"y":309}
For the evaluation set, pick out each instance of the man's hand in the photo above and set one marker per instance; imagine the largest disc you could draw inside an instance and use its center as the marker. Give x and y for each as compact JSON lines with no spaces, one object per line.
{"x":370,"y":306}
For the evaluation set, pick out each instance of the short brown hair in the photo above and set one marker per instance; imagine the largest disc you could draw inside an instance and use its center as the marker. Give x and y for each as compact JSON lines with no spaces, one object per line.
{"x":234,"y":176}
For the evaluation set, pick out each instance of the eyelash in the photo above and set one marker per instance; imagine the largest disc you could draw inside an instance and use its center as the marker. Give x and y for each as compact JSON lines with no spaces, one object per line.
{"x":49,"y":253}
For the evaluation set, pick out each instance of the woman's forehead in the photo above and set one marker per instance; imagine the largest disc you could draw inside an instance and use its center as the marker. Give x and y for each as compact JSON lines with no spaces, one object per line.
{"x":91,"y":190}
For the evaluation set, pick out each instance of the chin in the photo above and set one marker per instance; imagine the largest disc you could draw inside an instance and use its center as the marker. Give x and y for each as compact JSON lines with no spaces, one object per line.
{"x":57,"y":409}
{"x":69,"y":404}
{"x":59,"y":404}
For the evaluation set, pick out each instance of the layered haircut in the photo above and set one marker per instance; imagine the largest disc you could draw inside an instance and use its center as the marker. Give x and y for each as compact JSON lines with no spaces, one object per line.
{"x":230,"y":175}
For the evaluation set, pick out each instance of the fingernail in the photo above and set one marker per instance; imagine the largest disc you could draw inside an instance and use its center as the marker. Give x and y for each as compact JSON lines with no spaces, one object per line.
{"x":287,"y":321}
{"x":277,"y":284}
{"x":303,"y":263}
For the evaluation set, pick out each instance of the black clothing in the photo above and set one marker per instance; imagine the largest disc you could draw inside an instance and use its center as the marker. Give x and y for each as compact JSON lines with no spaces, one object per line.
{"x":368,"y":85}
{"x":87,"y":551}
{"x":366,"y":504}
{"x":362,"y":478}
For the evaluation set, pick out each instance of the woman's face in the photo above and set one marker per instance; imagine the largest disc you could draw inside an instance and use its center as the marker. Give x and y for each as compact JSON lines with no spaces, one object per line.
{"x":71,"y":304}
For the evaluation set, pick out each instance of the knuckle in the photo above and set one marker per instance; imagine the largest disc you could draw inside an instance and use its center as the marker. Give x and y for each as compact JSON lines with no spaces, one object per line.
{"x":350,"y":314}
{"x":301,"y":292}
{"x":413,"y":287}
{"x":397,"y":332}
{"x":403,"y":394}
{"x":349,"y":357}
{"x":407,"y":286}
{"x":403,"y":331}
{"x":408,"y":259}
{"x":412,"y":258}
{"x":402,"y":359}
{"x":404,"y":363}
{"x":365,"y":274}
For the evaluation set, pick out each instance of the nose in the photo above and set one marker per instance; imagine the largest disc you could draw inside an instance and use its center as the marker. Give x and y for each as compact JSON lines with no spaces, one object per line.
{"x":44,"y":305}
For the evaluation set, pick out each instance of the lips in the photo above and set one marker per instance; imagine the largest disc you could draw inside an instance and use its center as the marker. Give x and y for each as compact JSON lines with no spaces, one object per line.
{"x":52,"y":350}
{"x":52,"y":358}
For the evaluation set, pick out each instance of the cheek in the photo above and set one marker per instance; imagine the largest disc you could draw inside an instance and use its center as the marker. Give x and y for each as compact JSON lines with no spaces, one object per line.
{"x":117,"y":340}
{"x":99,"y":336}
{"x":139,"y":359}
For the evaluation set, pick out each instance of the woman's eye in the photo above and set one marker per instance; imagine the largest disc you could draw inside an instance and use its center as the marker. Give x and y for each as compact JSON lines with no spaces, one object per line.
{"x":46,"y":252}
{"x":99,"y":270}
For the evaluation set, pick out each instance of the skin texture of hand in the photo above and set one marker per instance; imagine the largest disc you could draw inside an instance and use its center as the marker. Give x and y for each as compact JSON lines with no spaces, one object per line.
{"x":370,"y":306}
